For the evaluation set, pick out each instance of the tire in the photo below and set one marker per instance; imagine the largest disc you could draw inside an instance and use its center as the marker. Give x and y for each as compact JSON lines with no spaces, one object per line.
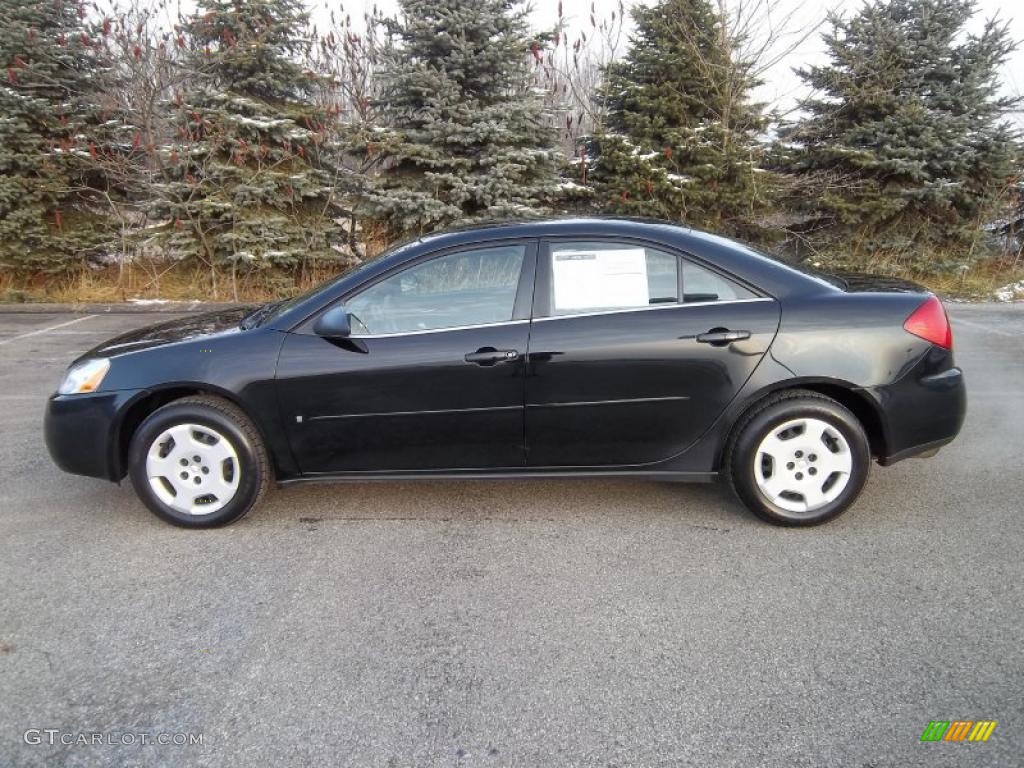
{"x":787,"y":456}
{"x":230,"y":478}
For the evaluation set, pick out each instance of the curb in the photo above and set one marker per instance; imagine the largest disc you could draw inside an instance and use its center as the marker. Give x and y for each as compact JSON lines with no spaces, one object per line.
{"x":116,"y":309}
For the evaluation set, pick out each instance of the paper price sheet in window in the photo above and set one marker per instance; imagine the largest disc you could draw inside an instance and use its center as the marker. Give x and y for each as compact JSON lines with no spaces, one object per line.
{"x":599,"y":279}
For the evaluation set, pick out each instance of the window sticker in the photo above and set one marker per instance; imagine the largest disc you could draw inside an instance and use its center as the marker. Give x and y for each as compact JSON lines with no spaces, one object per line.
{"x":600,"y":279}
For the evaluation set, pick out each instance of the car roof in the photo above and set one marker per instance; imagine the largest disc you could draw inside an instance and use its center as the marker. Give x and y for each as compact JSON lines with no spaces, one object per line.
{"x":763,"y":272}
{"x":568,"y":226}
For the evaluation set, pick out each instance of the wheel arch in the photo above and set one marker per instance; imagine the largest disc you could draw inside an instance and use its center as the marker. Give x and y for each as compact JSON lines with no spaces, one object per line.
{"x":148,"y":401}
{"x":852,"y":397}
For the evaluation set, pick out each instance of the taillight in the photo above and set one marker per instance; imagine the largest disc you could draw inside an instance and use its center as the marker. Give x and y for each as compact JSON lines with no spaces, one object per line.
{"x":929,"y":322}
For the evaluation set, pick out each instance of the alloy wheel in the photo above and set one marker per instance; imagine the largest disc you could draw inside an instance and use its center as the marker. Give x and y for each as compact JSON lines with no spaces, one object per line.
{"x":803,"y":465}
{"x":193,"y":469}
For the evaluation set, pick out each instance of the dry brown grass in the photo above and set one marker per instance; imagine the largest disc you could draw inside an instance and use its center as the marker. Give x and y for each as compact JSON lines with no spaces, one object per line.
{"x":967,"y":272}
{"x":178,"y":282}
{"x":187,"y":283}
{"x":977,"y":283}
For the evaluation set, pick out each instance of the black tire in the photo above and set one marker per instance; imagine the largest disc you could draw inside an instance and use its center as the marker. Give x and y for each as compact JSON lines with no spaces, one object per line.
{"x":774,"y":411}
{"x":255,"y":474}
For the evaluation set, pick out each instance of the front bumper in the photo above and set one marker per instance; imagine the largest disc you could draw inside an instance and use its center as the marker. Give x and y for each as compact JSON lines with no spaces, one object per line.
{"x":924,"y":410}
{"x":81,"y":432}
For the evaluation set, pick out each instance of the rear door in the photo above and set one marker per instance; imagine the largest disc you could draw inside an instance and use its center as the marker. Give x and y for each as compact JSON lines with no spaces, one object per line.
{"x":634,"y":352}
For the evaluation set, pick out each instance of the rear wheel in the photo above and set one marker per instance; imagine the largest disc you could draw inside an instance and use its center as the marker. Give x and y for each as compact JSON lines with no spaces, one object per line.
{"x":799,"y":458}
{"x":199,"y":462}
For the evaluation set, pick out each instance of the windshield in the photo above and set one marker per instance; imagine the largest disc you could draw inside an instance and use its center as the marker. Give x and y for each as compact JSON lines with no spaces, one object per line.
{"x":800,"y":266}
{"x":811,"y":271}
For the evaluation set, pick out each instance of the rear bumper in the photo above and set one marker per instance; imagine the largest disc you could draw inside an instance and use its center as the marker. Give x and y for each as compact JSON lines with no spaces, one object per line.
{"x":924,"y":410}
{"x":925,"y":451}
{"x":81,"y":430}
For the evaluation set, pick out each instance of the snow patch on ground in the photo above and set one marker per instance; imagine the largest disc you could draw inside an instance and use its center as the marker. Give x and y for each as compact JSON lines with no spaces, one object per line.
{"x":1011,"y":292}
{"x":148,"y":302}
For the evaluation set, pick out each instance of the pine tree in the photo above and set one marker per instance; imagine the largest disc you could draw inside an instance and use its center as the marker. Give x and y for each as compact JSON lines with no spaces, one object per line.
{"x":908,"y":124}
{"x":250,"y":178}
{"x":464,"y":135}
{"x":49,"y":116}
{"x":680,"y":140}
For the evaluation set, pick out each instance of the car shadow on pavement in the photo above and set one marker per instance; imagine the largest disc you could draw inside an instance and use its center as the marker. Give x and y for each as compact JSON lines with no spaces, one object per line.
{"x":707,"y":505}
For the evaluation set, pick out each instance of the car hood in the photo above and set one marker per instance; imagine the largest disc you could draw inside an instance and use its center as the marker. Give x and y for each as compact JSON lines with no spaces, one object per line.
{"x":173,"y":331}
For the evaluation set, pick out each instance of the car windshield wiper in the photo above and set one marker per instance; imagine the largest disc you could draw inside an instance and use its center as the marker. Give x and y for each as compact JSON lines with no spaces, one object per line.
{"x":258,"y":315}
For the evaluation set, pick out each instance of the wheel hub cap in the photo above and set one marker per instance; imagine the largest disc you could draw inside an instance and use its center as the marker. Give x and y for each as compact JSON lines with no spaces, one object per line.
{"x":193,"y":469}
{"x":803,"y":465}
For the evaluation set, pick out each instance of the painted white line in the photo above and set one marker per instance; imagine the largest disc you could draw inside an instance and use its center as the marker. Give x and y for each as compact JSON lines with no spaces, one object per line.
{"x":999,"y":331}
{"x":46,"y":330}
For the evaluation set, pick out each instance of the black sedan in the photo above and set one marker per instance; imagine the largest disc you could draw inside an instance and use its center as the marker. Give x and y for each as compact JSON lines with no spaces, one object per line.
{"x":598,"y":347}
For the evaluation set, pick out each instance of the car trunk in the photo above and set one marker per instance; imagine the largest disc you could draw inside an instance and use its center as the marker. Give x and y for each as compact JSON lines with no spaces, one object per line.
{"x":862,"y":282}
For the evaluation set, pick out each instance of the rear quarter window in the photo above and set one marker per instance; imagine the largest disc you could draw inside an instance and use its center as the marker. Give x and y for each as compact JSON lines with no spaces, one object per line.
{"x":701,"y":284}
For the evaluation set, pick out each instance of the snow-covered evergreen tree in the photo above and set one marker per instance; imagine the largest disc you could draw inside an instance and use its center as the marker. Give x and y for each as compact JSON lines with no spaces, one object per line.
{"x":250,"y":178}
{"x":681,"y":137}
{"x":463,"y":135}
{"x":907,"y":122}
{"x":49,"y":118}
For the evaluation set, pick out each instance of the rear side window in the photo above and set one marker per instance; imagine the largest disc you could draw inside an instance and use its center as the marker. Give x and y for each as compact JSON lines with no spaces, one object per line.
{"x":701,"y":284}
{"x":596,"y":276}
{"x":605,"y":276}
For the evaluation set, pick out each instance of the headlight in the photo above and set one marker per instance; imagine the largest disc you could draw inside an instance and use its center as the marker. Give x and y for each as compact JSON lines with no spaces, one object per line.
{"x":85,"y":376}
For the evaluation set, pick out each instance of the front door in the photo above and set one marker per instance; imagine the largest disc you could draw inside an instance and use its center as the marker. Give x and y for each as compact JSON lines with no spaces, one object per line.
{"x":630,"y":359}
{"x":432,"y":377}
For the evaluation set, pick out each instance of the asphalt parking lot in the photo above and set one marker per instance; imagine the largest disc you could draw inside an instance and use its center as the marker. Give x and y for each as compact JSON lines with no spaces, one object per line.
{"x":549,"y":623}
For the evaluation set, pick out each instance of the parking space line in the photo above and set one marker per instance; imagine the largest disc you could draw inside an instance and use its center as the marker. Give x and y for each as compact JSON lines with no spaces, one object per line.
{"x":46,"y":330}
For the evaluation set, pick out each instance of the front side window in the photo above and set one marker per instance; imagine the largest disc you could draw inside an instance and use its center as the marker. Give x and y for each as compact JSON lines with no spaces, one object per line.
{"x":599,"y":276}
{"x":474,"y":287}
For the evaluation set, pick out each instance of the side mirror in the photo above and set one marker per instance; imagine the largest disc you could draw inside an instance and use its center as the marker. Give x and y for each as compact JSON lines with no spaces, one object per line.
{"x":333,"y":324}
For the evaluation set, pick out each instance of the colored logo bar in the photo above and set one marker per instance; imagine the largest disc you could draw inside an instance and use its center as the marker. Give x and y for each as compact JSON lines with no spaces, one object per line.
{"x":958,"y":730}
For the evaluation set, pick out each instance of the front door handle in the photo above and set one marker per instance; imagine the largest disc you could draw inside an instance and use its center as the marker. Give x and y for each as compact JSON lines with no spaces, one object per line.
{"x":491,"y":356}
{"x":719,"y":337}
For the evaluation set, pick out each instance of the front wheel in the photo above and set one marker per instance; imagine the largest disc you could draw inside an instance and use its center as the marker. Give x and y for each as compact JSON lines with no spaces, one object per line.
{"x":799,"y":458}
{"x":198,"y":462}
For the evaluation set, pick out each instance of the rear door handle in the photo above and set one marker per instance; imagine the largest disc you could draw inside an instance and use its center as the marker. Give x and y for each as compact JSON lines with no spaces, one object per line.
{"x":719,"y":337}
{"x":491,"y":356}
